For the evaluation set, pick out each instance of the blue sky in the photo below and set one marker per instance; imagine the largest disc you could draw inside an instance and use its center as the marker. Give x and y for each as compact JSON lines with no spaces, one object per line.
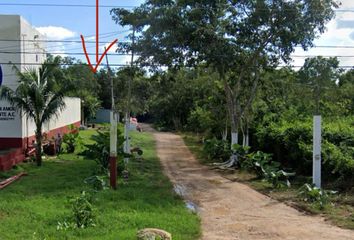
{"x":67,"y":23}
{"x":60,"y":23}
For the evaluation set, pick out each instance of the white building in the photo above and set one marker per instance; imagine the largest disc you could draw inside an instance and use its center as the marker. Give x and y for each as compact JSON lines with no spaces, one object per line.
{"x":23,"y":46}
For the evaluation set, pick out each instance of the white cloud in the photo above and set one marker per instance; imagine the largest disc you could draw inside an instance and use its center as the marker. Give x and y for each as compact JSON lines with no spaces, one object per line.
{"x":347,"y":4}
{"x":113,"y":49}
{"x":56,"y":33}
{"x":340,"y":32}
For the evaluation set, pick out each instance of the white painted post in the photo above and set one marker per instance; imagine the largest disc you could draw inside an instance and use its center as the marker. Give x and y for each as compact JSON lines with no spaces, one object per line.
{"x":234,"y":138}
{"x":126,"y":146}
{"x":113,"y":151}
{"x":126,"y":134}
{"x":316,"y":175}
{"x":113,"y":135}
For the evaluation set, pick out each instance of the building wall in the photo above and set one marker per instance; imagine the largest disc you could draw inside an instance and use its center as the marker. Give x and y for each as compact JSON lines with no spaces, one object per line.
{"x":32,"y":46}
{"x":15,"y":128}
{"x":102,"y":116}
{"x":10,"y":31}
{"x":71,"y":114}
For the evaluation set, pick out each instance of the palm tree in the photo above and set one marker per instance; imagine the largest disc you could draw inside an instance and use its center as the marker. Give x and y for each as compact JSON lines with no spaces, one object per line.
{"x":40,"y":98}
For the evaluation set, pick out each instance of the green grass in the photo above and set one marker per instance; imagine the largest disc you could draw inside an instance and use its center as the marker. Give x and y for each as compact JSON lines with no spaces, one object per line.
{"x":31,"y":207}
{"x":340,"y":211}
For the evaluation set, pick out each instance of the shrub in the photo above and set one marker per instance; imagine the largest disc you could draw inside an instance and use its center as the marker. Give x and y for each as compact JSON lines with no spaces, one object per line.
{"x":216,"y":150}
{"x":278,"y":178}
{"x":99,"y":150}
{"x":72,"y":139}
{"x":312,"y":194}
{"x":291,"y":144}
{"x":200,"y":120}
{"x":261,"y":163}
{"x":98,"y":183}
{"x":83,"y":211}
{"x":257,"y":161}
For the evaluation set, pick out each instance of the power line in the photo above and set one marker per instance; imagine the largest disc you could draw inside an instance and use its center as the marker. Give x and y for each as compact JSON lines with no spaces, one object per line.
{"x":60,"y":64}
{"x":127,"y":65}
{"x":56,"y":53}
{"x":127,"y":42}
{"x":64,"y":5}
{"x":126,"y":6}
{"x":51,"y":41}
{"x":128,"y":54}
{"x":63,"y":44}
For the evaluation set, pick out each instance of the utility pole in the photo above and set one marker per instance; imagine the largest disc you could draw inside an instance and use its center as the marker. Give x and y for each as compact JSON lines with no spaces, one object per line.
{"x":113,"y":136}
{"x":127,"y":113}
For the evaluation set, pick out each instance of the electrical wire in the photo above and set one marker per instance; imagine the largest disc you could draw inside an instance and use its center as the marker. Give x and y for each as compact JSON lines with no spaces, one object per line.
{"x":64,"y":5}
{"x":127,"y":42}
{"x":126,"y":65}
{"x":125,"y":6}
{"x":51,"y":41}
{"x":66,"y":53}
{"x":60,"y":64}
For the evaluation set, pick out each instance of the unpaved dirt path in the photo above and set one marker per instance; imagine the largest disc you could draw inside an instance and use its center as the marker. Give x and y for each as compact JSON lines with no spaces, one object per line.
{"x":231,"y":210}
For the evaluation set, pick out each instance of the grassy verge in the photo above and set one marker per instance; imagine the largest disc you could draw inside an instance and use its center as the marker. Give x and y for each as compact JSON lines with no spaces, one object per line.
{"x":340,"y":211}
{"x":32,"y":207}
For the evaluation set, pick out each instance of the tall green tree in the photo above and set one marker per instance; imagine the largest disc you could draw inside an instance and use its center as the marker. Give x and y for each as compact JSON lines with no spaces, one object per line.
{"x":41,"y":98}
{"x":321,"y":75}
{"x":239,"y":39}
{"x":88,"y":89}
{"x":346,"y":86}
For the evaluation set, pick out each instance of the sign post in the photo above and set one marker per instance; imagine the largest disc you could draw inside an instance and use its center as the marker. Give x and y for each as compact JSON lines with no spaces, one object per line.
{"x":316,"y":175}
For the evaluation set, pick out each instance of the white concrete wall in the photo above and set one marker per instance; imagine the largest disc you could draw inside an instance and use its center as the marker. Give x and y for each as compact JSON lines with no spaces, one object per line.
{"x":10,"y":127}
{"x":25,"y":54}
{"x":32,"y":46}
{"x":71,"y":114}
{"x":10,"y":48}
{"x":10,"y":32}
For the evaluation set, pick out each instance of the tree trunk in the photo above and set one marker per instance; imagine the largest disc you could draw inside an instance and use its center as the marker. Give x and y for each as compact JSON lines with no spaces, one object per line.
{"x":232,"y":109}
{"x":225,"y":132}
{"x":234,"y":138}
{"x":39,"y":146}
{"x":247,"y":141}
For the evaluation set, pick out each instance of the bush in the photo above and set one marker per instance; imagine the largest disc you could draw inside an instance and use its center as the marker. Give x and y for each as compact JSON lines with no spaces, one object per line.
{"x":258,"y":161}
{"x":312,"y":194}
{"x":72,"y":139}
{"x":217,"y":150}
{"x":291,"y":144}
{"x":99,"y":151}
{"x":98,"y":183}
{"x":83,"y":211}
{"x":261,"y":163}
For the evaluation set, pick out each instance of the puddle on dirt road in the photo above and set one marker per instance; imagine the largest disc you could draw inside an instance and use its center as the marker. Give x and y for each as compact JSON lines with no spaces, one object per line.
{"x":181,"y":190}
{"x":192,"y":206}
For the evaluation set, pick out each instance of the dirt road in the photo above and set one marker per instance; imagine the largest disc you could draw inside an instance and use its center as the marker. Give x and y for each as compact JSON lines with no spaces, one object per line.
{"x":231,"y":210}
